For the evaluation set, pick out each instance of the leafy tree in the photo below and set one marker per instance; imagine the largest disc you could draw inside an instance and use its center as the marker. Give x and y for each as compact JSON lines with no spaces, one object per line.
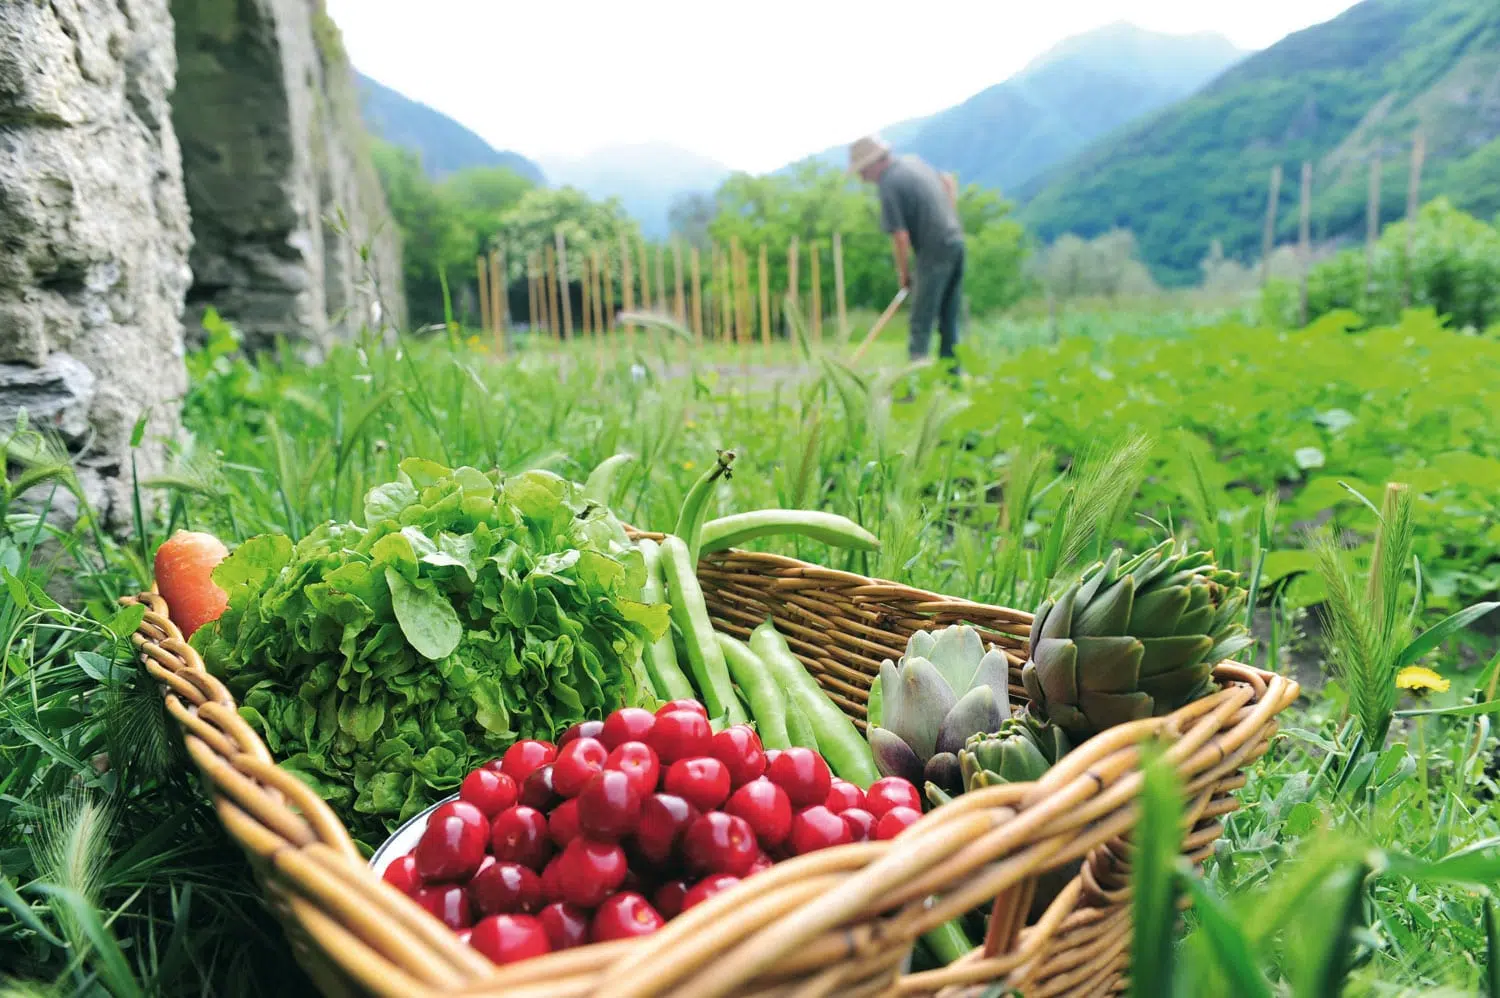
{"x":1107,"y":266}
{"x":530,"y":226}
{"x":689,"y":217}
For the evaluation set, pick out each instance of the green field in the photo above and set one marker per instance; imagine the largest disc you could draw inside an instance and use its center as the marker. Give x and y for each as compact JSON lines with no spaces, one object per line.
{"x":1369,"y":863}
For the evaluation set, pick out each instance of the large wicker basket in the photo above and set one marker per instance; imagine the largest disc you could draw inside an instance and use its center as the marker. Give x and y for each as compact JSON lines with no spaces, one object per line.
{"x":841,"y":921}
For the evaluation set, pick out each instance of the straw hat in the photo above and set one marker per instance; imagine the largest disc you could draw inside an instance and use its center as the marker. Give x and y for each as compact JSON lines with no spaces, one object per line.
{"x":867,"y":151}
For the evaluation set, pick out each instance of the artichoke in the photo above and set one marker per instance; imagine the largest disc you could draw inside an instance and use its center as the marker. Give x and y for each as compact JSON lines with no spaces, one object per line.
{"x":1133,"y":640}
{"x":923,"y":709}
{"x":1020,"y":752}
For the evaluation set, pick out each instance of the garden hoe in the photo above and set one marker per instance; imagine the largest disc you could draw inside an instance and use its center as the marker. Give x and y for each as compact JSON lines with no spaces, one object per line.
{"x":885,"y":317}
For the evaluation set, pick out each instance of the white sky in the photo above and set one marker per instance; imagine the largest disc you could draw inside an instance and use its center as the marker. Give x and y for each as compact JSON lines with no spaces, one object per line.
{"x":754,"y":85}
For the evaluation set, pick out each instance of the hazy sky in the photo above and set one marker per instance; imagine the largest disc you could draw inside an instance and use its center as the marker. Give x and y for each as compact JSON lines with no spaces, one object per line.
{"x":753,"y":85}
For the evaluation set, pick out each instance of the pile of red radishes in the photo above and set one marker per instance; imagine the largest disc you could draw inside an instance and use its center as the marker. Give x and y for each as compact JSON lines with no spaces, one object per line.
{"x":557,"y":846}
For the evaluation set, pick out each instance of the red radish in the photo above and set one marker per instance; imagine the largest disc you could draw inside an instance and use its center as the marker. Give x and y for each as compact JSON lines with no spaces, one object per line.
{"x":539,"y":790}
{"x":583,"y":729}
{"x":889,"y":792}
{"x":895,"y":821}
{"x":639,"y":762}
{"x":861,"y":822}
{"x":703,"y":782}
{"x":624,"y":916}
{"x":508,"y":938}
{"x":628,"y":724}
{"x":707,"y":888}
{"x":817,"y":828}
{"x":519,"y":835}
{"x":449,"y":902}
{"x":488,"y":790}
{"x":524,"y":756}
{"x":576,"y":764}
{"x":692,"y":705}
{"x":185,"y":565}
{"x":663,"y":821}
{"x":680,"y":734}
{"x":721,"y":843}
{"x":563,"y":824}
{"x":452,"y":844}
{"x":567,"y":925}
{"x":669,"y":896}
{"x":738,"y":747}
{"x":402,"y":875}
{"x":766,"y":808}
{"x":464,"y":935}
{"x":609,"y":806}
{"x":505,"y":888}
{"x":804,"y":776}
{"x":588,"y":871}
{"x":843,"y":795}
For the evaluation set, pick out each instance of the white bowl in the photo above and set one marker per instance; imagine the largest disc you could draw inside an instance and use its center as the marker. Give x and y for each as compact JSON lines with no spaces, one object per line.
{"x":404,"y":839}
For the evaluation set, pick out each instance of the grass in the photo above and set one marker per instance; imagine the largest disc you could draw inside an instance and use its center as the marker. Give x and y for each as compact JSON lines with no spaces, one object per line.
{"x":1357,"y":862}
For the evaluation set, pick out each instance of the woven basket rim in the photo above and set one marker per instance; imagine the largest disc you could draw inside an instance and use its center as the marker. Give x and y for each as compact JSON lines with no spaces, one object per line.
{"x":350,"y":929}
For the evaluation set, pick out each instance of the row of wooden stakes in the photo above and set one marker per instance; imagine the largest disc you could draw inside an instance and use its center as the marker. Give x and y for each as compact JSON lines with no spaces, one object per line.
{"x":729,"y":315}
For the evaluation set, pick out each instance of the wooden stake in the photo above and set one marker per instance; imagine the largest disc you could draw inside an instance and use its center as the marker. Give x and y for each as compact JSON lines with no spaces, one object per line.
{"x":734,"y":280}
{"x":721,"y":288}
{"x":838,"y":287}
{"x":791,"y":271}
{"x":1413,"y":199}
{"x":1268,"y":241}
{"x":587,"y":298}
{"x":661,"y":280}
{"x":645,"y":276}
{"x":552,"y":305}
{"x":747,"y":305}
{"x":1304,"y":234}
{"x":484,"y":293}
{"x":562,"y":283}
{"x":816,"y":294}
{"x":680,"y":309}
{"x":499,"y":296}
{"x":533,"y":296}
{"x":609,"y":294}
{"x":697,"y":297}
{"x":1372,"y":225}
{"x":627,"y":289}
{"x":599,"y":309}
{"x":765,"y":302}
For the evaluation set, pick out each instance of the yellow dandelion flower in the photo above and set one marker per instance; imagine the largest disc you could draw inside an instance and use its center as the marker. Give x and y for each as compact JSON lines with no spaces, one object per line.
{"x":1421,"y":680}
{"x":688,"y":466}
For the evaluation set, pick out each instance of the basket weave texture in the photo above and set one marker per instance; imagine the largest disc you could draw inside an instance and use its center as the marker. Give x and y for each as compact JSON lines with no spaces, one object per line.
{"x":840,"y":921}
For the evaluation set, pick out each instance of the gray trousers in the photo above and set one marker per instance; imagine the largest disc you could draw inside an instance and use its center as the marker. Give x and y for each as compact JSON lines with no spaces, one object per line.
{"x":937,"y":297}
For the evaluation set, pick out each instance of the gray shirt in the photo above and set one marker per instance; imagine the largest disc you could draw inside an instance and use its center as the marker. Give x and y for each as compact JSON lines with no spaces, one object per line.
{"x":912,"y":197}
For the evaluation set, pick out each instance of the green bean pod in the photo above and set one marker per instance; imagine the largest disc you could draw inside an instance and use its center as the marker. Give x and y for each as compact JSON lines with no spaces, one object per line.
{"x":600,"y":487}
{"x":666,"y":675}
{"x":799,"y":728}
{"x":847,"y":751}
{"x":695,"y":506}
{"x":830,"y":528}
{"x":768,"y":704}
{"x":690,"y":614}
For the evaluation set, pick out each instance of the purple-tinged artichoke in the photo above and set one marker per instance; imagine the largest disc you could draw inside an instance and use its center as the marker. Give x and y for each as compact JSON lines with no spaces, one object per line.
{"x":945,"y":689}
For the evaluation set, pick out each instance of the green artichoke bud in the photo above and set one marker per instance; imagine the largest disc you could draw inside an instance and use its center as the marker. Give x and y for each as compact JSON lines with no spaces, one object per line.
{"x":923,"y":709}
{"x":1021,"y":751}
{"x":1133,"y":640}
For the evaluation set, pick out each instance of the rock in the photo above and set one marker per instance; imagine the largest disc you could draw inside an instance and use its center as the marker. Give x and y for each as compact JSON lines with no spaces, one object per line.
{"x":93,"y":272}
{"x":283,"y":192}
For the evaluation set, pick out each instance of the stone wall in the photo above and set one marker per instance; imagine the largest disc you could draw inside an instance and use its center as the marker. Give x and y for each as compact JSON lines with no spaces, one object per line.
{"x":101,"y":269}
{"x":93,"y":232}
{"x":281,"y":187}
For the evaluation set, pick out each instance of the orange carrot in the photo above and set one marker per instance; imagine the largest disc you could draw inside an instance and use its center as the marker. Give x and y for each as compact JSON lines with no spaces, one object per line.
{"x":184,"y":577}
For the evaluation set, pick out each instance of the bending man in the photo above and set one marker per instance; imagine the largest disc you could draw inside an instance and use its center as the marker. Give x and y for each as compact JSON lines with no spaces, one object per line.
{"x":918,"y":211}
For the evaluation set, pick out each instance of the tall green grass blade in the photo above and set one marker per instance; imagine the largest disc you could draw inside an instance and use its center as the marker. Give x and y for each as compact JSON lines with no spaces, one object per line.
{"x":1227,"y":942}
{"x":1153,"y":912}
{"x":102,"y":950}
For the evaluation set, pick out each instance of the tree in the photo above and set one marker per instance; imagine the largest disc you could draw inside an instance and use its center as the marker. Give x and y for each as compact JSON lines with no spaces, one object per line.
{"x":689,"y":217}
{"x":531,"y":225}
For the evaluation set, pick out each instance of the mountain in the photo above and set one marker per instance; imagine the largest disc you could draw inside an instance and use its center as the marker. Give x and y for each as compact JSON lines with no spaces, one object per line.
{"x":645,"y":177}
{"x":444,"y":145}
{"x":1335,"y":94}
{"x":1081,"y":89}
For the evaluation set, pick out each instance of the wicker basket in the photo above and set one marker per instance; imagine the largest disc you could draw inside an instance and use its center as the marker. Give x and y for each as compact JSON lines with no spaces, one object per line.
{"x":841,"y":921}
